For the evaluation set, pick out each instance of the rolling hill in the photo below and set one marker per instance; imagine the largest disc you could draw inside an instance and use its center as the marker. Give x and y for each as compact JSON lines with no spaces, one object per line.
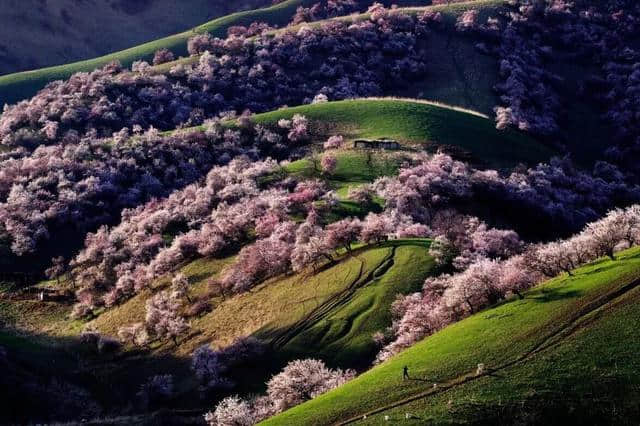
{"x":36,"y":34}
{"x":459,"y":74}
{"x":417,"y":125}
{"x":571,"y":333}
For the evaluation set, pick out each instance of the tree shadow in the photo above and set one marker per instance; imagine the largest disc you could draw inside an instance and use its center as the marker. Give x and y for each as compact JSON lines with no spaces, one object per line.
{"x":201,"y":276}
{"x":493,"y":373}
{"x":607,"y":265}
{"x":47,"y":379}
{"x":318,"y":341}
{"x":551,"y":295}
{"x":416,"y":379}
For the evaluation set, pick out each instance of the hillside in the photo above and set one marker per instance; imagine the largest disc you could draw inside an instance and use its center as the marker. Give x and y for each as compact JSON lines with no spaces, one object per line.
{"x":331,"y":212}
{"x":458,"y":75}
{"x":38,"y":34}
{"x":331,"y":315}
{"x":340,"y":307}
{"x":20,"y":85}
{"x":17,"y":86}
{"x":566,"y":348}
{"x":419,"y":125}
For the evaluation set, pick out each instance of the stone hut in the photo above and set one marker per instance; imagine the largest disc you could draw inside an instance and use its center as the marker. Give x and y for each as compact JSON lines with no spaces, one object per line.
{"x":376,"y":144}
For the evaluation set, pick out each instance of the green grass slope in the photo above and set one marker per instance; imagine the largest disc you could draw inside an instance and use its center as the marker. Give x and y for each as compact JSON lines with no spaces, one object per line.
{"x":353,"y":168}
{"x":568,"y":347}
{"x":339,"y":330}
{"x":418,"y":124}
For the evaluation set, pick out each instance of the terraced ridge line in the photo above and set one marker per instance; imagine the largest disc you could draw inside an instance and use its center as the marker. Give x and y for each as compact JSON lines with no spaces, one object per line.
{"x":337,"y":300}
{"x":550,"y":340}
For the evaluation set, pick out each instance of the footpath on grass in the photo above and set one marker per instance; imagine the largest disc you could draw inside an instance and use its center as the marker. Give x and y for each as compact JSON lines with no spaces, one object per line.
{"x":564,"y":331}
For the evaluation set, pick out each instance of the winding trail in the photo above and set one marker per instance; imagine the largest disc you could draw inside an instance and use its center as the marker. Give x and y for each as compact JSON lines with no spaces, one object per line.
{"x":552,"y":339}
{"x":337,"y":300}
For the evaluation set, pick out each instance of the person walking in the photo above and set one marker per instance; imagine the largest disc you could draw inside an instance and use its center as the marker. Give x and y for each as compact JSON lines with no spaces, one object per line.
{"x":405,"y":373}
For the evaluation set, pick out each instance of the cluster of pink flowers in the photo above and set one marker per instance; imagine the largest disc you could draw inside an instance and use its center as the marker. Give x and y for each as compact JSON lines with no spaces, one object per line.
{"x":448,"y":298}
{"x":543,"y":202}
{"x":600,"y":37}
{"x":223,"y":212}
{"x":299,"y":381}
{"x":207,"y":217}
{"x":326,"y":9}
{"x":240,"y":72}
{"x":80,"y":185}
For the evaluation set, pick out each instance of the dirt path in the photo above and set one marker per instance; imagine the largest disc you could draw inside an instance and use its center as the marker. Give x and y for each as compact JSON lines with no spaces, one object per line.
{"x":336,"y":301}
{"x":552,"y":339}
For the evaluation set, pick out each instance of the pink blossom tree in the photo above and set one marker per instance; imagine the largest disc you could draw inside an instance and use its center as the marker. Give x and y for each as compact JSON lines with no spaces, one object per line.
{"x":343,"y":233}
{"x":135,"y":334}
{"x":376,"y":228}
{"x":334,"y":142}
{"x":516,"y":276}
{"x":199,"y":44}
{"x":161,"y":56}
{"x":232,"y":410}
{"x":329,"y":163}
{"x":363,"y":194}
{"x":311,"y":246}
{"x":302,"y":380}
{"x":467,"y":20}
{"x":163,"y":317}
{"x":608,"y":233}
{"x":180,"y":287}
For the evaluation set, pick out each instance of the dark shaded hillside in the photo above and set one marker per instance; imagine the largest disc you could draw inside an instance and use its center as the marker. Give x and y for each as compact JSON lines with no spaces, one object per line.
{"x":36,"y":33}
{"x":332,"y":317}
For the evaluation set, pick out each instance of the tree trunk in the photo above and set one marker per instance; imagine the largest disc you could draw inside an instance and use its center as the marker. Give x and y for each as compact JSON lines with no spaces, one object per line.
{"x":328,"y":257}
{"x":470,"y":306}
